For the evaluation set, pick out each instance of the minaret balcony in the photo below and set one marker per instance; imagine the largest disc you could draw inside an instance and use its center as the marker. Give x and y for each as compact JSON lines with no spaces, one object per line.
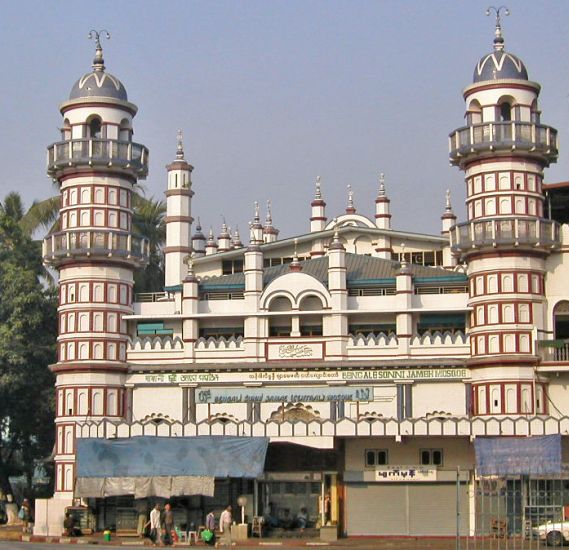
{"x":512,"y":137}
{"x":124,"y":156}
{"x":505,"y":233}
{"x":67,"y":246}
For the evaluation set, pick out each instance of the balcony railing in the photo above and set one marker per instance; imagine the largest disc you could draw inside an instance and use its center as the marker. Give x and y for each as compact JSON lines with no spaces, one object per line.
{"x":505,"y":232}
{"x":125,"y":155}
{"x":60,"y":247}
{"x":503,"y":136}
{"x":554,"y":351}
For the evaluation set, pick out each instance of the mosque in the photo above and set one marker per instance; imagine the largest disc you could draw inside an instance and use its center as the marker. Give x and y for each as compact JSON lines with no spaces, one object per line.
{"x":349,"y":369}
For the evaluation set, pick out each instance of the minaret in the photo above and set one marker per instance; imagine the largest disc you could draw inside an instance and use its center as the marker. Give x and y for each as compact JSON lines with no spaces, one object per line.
{"x":382,"y":213}
{"x":210,"y":245}
{"x":350,"y":208}
{"x":178,"y":216}
{"x":383,"y":248}
{"x":96,"y":167}
{"x":503,"y":150}
{"x":224,"y":239}
{"x":318,"y":210}
{"x":270,"y":233}
{"x":198,"y":242}
{"x":448,"y":220}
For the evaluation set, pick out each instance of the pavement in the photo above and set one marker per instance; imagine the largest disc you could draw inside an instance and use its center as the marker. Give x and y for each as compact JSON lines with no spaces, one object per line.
{"x":12,"y":539}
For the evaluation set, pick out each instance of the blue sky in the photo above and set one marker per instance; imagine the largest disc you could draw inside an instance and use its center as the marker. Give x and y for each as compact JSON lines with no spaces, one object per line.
{"x":272,"y":93}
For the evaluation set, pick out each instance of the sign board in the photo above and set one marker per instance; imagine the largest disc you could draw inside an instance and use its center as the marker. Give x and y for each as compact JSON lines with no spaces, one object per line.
{"x":361,"y":376}
{"x":406,"y":473}
{"x":295,"y":351}
{"x":282,"y":395}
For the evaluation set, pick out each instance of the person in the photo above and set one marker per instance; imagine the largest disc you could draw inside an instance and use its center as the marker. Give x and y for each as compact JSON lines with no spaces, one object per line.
{"x":154,"y":524}
{"x":269,"y":518}
{"x":225,"y":521}
{"x":302,"y":519}
{"x":25,"y":514}
{"x":69,"y":528}
{"x":210,"y":526}
{"x":168,"y":524}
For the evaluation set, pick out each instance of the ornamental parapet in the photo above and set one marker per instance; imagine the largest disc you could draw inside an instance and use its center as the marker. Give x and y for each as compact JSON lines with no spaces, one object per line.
{"x":512,"y":137}
{"x":66,"y":246}
{"x":505,"y":232}
{"x":364,"y":426}
{"x":124,"y":156}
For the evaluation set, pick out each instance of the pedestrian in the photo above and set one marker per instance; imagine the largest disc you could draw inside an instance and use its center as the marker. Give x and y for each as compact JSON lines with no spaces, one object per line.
{"x":167,"y":524}
{"x":154,"y":524}
{"x":210,"y":526}
{"x":225,"y":521}
{"x":25,"y":514}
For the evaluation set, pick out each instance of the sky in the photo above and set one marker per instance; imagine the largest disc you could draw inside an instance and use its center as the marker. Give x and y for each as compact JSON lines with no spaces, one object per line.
{"x":272,"y":93}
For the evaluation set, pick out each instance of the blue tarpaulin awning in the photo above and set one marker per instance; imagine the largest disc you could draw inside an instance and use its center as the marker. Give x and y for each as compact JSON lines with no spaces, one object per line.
{"x":164,"y":466}
{"x":501,"y":456}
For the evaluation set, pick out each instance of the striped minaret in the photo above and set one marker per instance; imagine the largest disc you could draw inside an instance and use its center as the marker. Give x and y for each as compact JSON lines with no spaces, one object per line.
{"x":96,"y":166}
{"x":503,"y":150}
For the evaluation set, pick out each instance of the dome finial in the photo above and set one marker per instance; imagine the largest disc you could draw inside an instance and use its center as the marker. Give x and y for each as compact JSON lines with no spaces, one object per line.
{"x":498,"y":38}
{"x":180,"y":146}
{"x":318,"y":194}
{"x":448,"y":205}
{"x":381,"y":191}
{"x":98,"y":61}
{"x":350,"y":209}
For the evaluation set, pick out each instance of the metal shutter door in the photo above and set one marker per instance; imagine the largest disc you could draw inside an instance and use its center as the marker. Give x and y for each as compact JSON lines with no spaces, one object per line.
{"x":376,"y":509}
{"x":432,"y":509}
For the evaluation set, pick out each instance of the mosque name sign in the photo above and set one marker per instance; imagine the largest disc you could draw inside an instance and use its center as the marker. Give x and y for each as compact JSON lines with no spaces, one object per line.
{"x":295,"y":376}
{"x":295,"y":351}
{"x":405,"y":473}
{"x":282,"y":395}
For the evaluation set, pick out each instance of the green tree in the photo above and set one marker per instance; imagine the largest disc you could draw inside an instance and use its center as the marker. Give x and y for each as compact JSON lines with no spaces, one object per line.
{"x":28,"y":329}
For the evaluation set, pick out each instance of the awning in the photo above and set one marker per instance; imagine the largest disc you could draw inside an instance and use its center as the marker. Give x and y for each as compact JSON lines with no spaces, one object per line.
{"x":164,"y":466}
{"x":501,"y":456}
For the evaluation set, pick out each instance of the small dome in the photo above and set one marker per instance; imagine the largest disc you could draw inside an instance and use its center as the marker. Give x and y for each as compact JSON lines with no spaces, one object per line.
{"x":98,"y":84}
{"x":500,"y":65}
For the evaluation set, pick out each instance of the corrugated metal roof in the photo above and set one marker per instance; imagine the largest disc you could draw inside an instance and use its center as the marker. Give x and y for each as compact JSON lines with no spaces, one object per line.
{"x":360,"y":269}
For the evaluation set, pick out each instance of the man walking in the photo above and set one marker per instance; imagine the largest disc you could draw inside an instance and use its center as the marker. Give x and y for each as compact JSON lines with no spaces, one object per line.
{"x":154,"y":523}
{"x":168,"y":522}
{"x":225,"y":521}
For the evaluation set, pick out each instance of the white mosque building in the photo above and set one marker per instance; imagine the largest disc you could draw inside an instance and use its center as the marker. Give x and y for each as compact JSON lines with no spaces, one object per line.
{"x":354,"y":367}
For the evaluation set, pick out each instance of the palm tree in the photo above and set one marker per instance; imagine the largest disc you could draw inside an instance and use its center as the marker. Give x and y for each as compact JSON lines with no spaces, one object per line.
{"x":147,"y":222}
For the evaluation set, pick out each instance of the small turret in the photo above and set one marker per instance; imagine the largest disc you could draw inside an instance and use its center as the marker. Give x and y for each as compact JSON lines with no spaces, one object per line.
{"x":211,"y":245}
{"x":236,"y":242}
{"x":318,"y":210}
{"x":198,"y":241}
{"x":224,"y":239}
{"x":256,"y":233}
{"x":270,"y":233}
{"x":350,"y":208}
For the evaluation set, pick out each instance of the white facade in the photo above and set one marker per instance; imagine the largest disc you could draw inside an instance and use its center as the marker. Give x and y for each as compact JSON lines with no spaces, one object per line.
{"x":381,"y":349}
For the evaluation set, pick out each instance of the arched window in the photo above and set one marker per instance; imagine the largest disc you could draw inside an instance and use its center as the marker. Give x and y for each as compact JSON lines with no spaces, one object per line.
{"x":280,"y":325}
{"x":66,"y":130}
{"x":535,"y":113}
{"x":505,"y":112}
{"x":474,"y":113}
{"x":95,"y":127}
{"x":125,"y":131}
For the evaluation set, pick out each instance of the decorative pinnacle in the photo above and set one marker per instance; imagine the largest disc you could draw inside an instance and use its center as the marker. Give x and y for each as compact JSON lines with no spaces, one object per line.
{"x":180,"y":146}
{"x":381,"y":191}
{"x":350,"y":208}
{"x":448,"y":206}
{"x":498,"y":38}
{"x":318,"y":194}
{"x":190,"y":263}
{"x":98,"y":61}
{"x":257,"y":217}
{"x":269,"y":217}
{"x":403,"y":259}
{"x":296,"y":250}
{"x":199,"y":225}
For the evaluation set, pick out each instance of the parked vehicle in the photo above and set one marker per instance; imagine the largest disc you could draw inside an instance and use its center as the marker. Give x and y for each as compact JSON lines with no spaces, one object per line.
{"x":555,"y":533}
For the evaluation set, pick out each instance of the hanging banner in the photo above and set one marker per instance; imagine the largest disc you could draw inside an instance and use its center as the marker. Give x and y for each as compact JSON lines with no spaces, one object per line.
{"x":406,"y":473}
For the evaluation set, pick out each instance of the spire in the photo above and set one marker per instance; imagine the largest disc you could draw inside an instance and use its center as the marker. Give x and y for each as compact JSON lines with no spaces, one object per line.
{"x":350,"y":209}
{"x":269,"y":217}
{"x":318,"y":194}
{"x":98,"y":61}
{"x":336,"y":243}
{"x":448,"y":206}
{"x":295,"y":265}
{"x":498,"y":38}
{"x":180,"y":147}
{"x":257,"y":217}
{"x":381,"y":191}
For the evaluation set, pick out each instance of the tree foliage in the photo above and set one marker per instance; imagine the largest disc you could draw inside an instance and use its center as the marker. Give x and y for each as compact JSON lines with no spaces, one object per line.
{"x":28,"y":330}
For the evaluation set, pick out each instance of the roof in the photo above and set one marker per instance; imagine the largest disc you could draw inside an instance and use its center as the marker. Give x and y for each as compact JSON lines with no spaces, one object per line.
{"x":98,"y":84}
{"x":500,"y":65}
{"x":360,"y":270}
